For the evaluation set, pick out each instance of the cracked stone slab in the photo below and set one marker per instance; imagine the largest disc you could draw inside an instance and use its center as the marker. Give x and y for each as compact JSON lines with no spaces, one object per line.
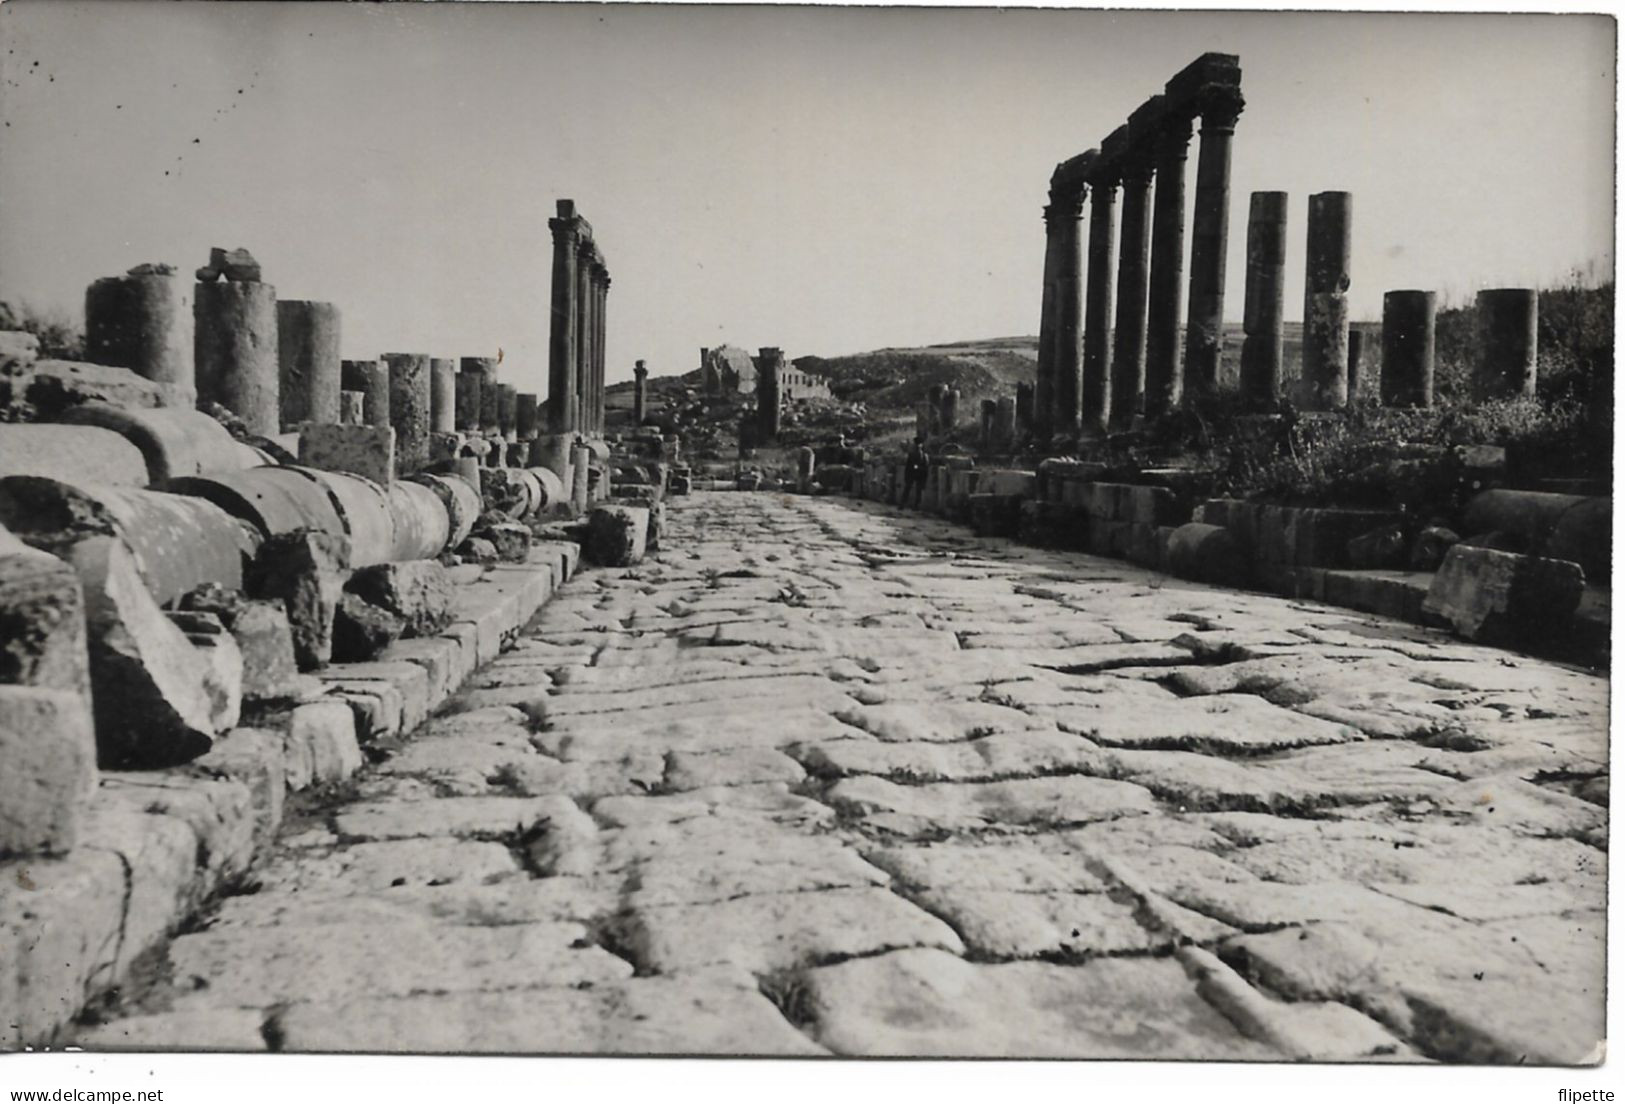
{"x":779,"y":931}
{"x":1224,"y":724}
{"x":515,"y":901}
{"x":1062,"y":800}
{"x":210,"y":1029}
{"x":1459,"y":992}
{"x":389,"y":863}
{"x":1005,"y":755}
{"x":697,"y":770}
{"x":1012,"y":866}
{"x":926,"y":1003}
{"x":261,"y":967}
{"x":914,"y":722}
{"x":765,"y":800}
{"x":642,"y":1016}
{"x":1003,"y":924}
{"x":451,"y":816}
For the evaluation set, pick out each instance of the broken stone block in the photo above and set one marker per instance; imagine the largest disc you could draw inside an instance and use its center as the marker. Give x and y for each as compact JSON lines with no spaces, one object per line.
{"x":42,"y":620}
{"x":1499,"y":598}
{"x":305,"y":571}
{"x":419,"y":592}
{"x":503,"y":492}
{"x":478,"y":550}
{"x":617,"y":536}
{"x":510,"y":538}
{"x":263,"y":636}
{"x":1432,"y":543}
{"x":1206,"y":553}
{"x":55,"y":385}
{"x":364,"y":450}
{"x":47,"y":768}
{"x":151,"y":704}
{"x":1378,"y":549}
{"x":995,"y":515}
{"x":234,"y":264}
{"x":221,"y":663}
{"x":361,"y":630}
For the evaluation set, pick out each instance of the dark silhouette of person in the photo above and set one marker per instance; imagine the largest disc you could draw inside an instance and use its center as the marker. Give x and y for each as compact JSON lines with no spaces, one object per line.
{"x":915,"y":468}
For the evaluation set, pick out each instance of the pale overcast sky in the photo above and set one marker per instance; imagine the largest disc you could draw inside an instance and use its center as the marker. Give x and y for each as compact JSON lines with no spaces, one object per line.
{"x":827,"y":180}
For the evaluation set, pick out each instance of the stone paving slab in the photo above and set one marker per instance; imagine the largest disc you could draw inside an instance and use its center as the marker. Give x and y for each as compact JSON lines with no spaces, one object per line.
{"x":827,"y":778}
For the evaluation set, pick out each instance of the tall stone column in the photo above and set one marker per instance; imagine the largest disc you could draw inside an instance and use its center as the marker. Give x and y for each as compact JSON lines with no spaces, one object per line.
{"x":1356,"y":349}
{"x":585,"y":330}
{"x":769,"y":412}
{"x":1133,"y":270}
{"x":1263,"y":311}
{"x":640,"y":393}
{"x":602,"y":343}
{"x":143,"y":321}
{"x":525,"y":416}
{"x":1097,"y":306}
{"x":409,"y":403}
{"x":1044,"y":384}
{"x":1162,"y":376}
{"x":950,"y":410}
{"x":1067,"y":376}
{"x":1219,"y":106}
{"x":308,"y":362}
{"x":1004,"y":422}
{"x":481,"y":394}
{"x":1326,"y":303}
{"x":371,"y":379}
{"x":1508,"y":321}
{"x":933,"y":410}
{"x":561,"y":342}
{"x":442,"y":395}
{"x":990,"y":413}
{"x":235,"y":351}
{"x":468,"y":397}
{"x":507,"y":410}
{"x":1407,"y":348}
{"x":1024,"y":409}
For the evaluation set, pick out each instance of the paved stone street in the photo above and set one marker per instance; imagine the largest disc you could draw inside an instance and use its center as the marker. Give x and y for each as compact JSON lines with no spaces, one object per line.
{"x":824,"y":777}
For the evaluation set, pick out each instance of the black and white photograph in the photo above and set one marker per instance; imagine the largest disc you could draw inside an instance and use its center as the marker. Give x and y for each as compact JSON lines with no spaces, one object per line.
{"x":643,"y":531}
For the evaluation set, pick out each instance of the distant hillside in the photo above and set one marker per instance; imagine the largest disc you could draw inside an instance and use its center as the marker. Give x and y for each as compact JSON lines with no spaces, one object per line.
{"x":900,"y":378}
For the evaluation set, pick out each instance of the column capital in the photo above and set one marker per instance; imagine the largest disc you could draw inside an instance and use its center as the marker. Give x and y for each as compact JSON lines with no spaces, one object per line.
{"x":1173,"y":137}
{"x":564,"y":230}
{"x":1219,"y":106}
{"x":1064,"y":207}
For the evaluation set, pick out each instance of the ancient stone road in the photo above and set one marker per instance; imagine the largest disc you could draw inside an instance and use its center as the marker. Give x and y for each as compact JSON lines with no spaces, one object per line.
{"x":826,"y":777}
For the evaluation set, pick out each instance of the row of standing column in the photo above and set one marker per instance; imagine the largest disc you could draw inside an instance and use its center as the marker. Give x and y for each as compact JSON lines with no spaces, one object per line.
{"x":1507,"y":318}
{"x":1102,"y":362}
{"x":580,"y":291}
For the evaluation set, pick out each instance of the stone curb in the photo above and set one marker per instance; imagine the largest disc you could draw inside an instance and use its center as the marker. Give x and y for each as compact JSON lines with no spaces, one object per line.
{"x":155,"y":845}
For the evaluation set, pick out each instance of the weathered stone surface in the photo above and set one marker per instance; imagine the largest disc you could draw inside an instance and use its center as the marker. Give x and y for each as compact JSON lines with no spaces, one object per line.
{"x":1030,"y":801}
{"x":509,"y":539}
{"x":221,"y":662}
{"x":1207,"y":553}
{"x":235,"y":351}
{"x":617,"y":535}
{"x":75,"y":453}
{"x":364,"y":450}
{"x":1499,"y":598}
{"x":263,"y":635}
{"x":54,"y":386}
{"x":419,"y":592}
{"x":47,"y":768}
{"x":780,"y":931}
{"x":409,"y":409}
{"x":303,"y":570}
{"x":927,"y":1003}
{"x":420,"y":523}
{"x":361,"y":629}
{"x":657,"y":1016}
{"x":152,"y":706}
{"x":176,"y":541}
{"x":308,"y":354}
{"x":42,"y":620}
{"x":262,"y":967}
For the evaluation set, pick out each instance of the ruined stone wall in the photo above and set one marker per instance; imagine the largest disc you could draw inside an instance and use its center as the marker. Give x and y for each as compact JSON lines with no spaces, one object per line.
{"x":225,"y":548}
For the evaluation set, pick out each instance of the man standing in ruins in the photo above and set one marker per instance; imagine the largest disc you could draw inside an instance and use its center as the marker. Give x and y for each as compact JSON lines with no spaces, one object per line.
{"x":915,"y":468}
